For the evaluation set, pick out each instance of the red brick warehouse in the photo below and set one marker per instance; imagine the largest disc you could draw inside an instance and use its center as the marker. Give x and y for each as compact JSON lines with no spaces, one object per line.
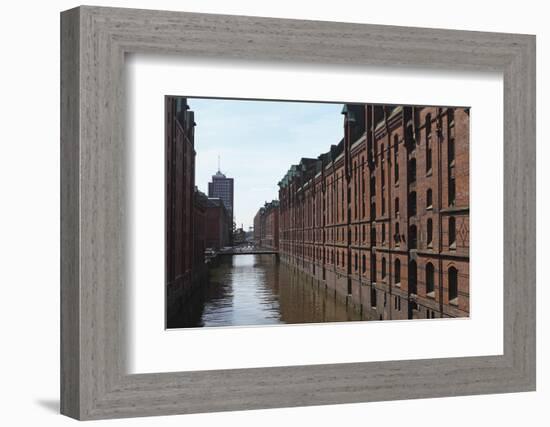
{"x":266,"y":226}
{"x":382,"y":218}
{"x":180,"y":201}
{"x":194,"y":222}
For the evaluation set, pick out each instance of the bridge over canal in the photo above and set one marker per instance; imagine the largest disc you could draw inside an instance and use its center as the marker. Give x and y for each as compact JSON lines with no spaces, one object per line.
{"x":248,"y":251}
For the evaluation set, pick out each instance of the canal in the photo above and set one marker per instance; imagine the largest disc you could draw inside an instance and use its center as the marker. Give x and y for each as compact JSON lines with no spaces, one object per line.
{"x":243,"y":290}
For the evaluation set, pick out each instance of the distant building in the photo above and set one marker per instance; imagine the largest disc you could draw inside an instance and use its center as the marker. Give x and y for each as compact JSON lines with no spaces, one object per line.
{"x":218,"y":224}
{"x":266,"y":226}
{"x":249,"y":235}
{"x":199,"y":227}
{"x":222,"y":188}
{"x":239,"y":236}
{"x":257,"y":233}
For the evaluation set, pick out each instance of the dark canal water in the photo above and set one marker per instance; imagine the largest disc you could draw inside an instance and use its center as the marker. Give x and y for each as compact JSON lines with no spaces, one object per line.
{"x":259,"y":290}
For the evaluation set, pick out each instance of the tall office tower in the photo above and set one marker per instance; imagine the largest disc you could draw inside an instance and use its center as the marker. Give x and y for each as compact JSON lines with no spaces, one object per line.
{"x":222,"y":187}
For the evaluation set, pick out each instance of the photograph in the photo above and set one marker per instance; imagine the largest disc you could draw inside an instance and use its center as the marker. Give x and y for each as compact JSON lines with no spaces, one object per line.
{"x":263,"y":212}
{"x":255,"y":213}
{"x":289,"y":212}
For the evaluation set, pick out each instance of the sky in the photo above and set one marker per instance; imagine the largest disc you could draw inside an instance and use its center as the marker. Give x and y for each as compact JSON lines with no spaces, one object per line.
{"x":257,"y":142}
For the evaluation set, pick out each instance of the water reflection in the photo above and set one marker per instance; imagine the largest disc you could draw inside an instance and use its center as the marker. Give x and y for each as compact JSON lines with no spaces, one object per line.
{"x":260,"y":290}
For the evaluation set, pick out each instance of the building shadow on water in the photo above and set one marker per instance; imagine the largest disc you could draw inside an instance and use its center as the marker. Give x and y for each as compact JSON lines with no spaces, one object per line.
{"x":304,"y":299}
{"x":213,"y":289}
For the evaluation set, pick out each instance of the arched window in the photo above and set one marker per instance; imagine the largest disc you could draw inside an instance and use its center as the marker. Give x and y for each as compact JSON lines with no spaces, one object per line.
{"x":429,"y":278}
{"x":412,"y":170}
{"x":373,"y":268}
{"x":337,"y":257}
{"x":397,"y":237}
{"x":356,"y":262}
{"x":453,"y":285}
{"x":452,"y":191}
{"x":363,"y":187}
{"x":383,"y":233}
{"x":382,"y":173}
{"x":383,"y":268}
{"x":428,"y":143}
{"x":364,"y":264}
{"x":395,"y":158}
{"x":412,"y":277}
{"x":412,"y":237}
{"x":451,"y":150}
{"x":452,"y":232}
{"x":355,"y":186}
{"x":397,"y":271}
{"x":429,"y":233}
{"x":429,"y":197}
{"x":412,"y":203}
{"x":428,"y":125}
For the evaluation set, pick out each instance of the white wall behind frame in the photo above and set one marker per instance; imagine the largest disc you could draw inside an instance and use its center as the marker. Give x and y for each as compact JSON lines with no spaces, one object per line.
{"x":30,"y":225}
{"x":152,"y":349}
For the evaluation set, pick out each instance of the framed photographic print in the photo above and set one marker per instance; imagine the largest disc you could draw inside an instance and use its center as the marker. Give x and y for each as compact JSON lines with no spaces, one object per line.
{"x":315,"y":242}
{"x":345,"y":212}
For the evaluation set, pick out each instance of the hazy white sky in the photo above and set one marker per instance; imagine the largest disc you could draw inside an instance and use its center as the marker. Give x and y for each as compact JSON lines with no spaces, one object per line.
{"x":257,"y":142}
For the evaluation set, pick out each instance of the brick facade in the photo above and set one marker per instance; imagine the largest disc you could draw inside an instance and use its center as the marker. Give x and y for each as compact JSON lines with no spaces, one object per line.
{"x":218,"y":224}
{"x":266,"y":226}
{"x":199,"y":228}
{"x":180,"y":187}
{"x":184,"y":214}
{"x":383,"y":217}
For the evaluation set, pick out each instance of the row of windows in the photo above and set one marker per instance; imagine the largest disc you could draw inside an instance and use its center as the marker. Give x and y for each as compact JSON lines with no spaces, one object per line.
{"x":412,"y":204}
{"x":430,"y":314}
{"x":413,"y":234}
{"x":429,"y":271}
{"x":412,"y":163}
{"x":340,"y":213}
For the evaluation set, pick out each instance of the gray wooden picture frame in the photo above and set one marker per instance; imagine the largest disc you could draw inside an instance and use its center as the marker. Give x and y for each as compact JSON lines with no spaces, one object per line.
{"x":94,"y":41}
